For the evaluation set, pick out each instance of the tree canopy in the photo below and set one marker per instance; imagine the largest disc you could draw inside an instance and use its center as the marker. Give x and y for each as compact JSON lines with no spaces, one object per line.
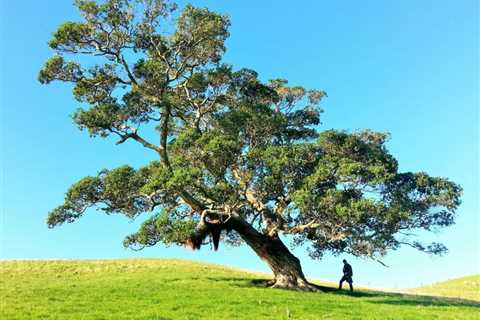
{"x":237,"y":159}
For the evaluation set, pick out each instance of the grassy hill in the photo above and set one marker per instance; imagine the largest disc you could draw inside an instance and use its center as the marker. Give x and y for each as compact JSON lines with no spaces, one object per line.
{"x":171,"y":289}
{"x":466,"y":287}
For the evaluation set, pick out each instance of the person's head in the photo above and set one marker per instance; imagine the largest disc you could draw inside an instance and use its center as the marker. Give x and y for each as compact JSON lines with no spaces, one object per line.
{"x":344,"y":261}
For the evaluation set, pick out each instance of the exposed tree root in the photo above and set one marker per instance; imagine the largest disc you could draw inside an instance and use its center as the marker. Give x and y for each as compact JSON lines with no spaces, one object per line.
{"x":300,"y":285}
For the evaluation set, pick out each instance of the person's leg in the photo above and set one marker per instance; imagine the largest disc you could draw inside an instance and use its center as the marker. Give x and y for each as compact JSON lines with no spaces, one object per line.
{"x":351,"y":285}
{"x":341,"y":282}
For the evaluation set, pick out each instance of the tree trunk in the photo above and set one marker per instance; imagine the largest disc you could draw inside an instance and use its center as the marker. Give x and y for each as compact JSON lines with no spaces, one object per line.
{"x":286,"y":267}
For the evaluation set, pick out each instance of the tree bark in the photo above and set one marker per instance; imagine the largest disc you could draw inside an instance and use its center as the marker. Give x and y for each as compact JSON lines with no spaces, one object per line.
{"x":286,"y":267}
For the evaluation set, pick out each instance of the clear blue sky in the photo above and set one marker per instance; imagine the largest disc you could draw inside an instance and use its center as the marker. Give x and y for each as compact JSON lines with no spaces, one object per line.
{"x":407,"y":67}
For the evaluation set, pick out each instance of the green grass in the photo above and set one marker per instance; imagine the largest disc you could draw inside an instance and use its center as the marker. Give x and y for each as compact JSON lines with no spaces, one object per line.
{"x":466,"y":287}
{"x":171,"y":289}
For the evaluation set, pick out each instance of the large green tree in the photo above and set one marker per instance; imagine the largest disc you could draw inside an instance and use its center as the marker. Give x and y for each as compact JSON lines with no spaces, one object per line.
{"x":236,"y":159}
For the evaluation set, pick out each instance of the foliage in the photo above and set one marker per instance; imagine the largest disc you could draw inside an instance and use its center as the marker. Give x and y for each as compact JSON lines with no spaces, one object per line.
{"x":232,"y":148}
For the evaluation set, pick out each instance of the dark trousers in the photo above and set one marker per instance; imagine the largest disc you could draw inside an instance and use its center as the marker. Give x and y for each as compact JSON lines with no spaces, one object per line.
{"x":348,"y":279}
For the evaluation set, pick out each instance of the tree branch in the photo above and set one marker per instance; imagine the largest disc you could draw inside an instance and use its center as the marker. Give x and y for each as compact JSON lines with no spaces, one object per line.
{"x":121,"y":59}
{"x":136,"y":137}
{"x":297,"y":229}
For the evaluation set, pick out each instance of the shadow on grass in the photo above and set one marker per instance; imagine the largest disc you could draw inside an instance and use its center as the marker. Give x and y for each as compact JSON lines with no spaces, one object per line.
{"x":416,"y":300}
{"x":375,"y":297}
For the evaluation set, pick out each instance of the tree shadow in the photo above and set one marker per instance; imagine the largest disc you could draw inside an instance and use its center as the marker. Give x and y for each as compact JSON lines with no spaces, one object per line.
{"x":393,"y":298}
{"x":371,"y":296}
{"x":404,"y":299}
{"x":265,"y":283}
{"x":400,"y":299}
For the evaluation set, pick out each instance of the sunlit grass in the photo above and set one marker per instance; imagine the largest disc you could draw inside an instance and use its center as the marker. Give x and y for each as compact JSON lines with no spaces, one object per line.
{"x":172,"y":289}
{"x":465,"y":287}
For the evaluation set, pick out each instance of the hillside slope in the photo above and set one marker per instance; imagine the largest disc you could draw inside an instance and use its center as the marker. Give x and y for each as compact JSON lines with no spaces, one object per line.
{"x":171,"y":289}
{"x":465,"y":287}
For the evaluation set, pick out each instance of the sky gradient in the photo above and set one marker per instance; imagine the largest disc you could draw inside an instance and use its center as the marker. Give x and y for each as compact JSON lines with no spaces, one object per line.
{"x":410,"y":68}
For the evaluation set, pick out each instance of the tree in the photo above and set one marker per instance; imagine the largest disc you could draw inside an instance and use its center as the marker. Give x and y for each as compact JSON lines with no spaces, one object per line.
{"x":238,"y":159}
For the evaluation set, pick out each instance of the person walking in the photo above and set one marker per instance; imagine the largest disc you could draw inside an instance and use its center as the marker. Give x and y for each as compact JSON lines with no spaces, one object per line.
{"x":347,"y":275}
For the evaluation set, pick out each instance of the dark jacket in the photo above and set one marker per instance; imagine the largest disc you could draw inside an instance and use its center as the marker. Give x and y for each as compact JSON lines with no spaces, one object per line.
{"x":347,"y":270}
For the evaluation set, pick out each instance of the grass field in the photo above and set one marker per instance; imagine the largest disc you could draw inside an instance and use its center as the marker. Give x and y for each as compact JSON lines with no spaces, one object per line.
{"x":466,"y":287}
{"x":171,"y":289}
